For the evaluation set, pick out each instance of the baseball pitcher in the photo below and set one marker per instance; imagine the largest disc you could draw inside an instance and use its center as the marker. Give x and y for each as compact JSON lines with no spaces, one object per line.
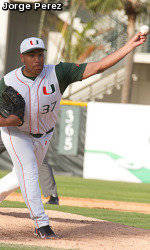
{"x":30,"y":98}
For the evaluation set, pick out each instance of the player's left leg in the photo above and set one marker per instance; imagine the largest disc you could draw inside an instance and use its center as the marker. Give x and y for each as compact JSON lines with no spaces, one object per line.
{"x":8,"y":184}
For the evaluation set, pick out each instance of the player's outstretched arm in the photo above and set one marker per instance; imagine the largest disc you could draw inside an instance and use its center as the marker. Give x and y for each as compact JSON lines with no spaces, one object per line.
{"x":11,"y":120}
{"x":110,"y":60}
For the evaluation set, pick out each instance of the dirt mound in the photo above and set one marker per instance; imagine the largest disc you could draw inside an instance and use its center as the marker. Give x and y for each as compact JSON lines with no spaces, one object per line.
{"x":74,"y":231}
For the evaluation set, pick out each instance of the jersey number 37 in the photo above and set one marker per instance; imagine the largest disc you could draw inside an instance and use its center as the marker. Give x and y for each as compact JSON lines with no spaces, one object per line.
{"x":47,"y":108}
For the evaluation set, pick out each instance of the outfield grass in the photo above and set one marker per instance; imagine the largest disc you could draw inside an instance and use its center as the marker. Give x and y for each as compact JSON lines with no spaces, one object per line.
{"x":107,"y":190}
{"x":97,"y":189}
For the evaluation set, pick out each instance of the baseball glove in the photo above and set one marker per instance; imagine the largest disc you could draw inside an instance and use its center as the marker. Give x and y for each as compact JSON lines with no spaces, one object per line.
{"x":12,"y":103}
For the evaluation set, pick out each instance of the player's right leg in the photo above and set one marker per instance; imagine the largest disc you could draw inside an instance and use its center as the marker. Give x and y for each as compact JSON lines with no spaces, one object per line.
{"x":21,"y":150}
{"x":48,"y":183}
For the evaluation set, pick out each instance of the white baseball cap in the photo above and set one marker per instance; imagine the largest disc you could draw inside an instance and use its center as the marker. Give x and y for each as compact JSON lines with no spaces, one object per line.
{"x":30,"y":44}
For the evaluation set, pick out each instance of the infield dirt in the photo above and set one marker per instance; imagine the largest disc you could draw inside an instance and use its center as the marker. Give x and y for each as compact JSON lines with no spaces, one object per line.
{"x":74,"y":231}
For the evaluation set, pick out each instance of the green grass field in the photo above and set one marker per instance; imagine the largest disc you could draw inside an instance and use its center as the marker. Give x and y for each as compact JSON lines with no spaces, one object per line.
{"x":16,"y":247}
{"x":96,"y":189}
{"x":107,"y":190}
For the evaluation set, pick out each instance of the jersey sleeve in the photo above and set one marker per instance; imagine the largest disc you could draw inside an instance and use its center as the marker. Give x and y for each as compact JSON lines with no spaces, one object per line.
{"x":68,"y":73}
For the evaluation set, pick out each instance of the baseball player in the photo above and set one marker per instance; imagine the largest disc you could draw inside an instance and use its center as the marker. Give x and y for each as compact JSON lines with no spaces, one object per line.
{"x":9,"y":183}
{"x":27,"y":136}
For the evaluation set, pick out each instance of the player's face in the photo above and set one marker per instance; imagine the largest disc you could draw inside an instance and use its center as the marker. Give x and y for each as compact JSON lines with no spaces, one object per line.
{"x":33,"y":61}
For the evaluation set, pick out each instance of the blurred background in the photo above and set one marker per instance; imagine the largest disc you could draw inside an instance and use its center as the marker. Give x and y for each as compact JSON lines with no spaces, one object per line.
{"x":85,"y":31}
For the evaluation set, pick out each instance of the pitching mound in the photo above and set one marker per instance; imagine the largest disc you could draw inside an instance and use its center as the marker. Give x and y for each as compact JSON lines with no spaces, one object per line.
{"x":74,"y":231}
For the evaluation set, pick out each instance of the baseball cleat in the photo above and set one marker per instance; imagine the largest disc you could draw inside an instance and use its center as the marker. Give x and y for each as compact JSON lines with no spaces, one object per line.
{"x":45,"y":232}
{"x":53,"y":200}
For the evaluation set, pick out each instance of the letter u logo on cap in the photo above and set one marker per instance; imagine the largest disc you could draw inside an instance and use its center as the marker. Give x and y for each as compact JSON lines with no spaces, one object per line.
{"x":37,"y":42}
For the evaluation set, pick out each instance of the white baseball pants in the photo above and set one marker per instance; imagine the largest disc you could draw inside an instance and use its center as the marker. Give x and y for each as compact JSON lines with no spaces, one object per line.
{"x":27,"y":153}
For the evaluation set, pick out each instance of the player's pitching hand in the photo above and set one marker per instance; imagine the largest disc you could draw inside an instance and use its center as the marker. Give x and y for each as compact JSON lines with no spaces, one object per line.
{"x":137,"y":40}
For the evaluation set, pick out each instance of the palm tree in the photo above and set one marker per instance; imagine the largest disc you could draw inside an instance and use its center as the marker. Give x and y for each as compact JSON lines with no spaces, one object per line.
{"x":78,"y":44}
{"x":42,"y":21}
{"x":79,"y":50}
{"x":132,"y":9}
